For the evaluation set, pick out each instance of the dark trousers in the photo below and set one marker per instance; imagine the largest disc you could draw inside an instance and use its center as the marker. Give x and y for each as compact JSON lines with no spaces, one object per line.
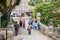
{"x":29,"y":32}
{"x":16,"y":31}
{"x":24,"y":25}
{"x":38,"y":27}
{"x":20,"y":24}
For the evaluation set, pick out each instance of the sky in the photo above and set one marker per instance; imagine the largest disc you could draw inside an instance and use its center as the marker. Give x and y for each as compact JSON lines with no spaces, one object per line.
{"x":28,"y":0}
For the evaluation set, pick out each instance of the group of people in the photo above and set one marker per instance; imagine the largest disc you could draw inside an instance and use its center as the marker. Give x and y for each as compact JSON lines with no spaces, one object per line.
{"x":17,"y":25}
{"x":33,"y":24}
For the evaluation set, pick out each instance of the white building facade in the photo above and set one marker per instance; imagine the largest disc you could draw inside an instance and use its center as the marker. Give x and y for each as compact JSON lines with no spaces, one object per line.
{"x":23,"y":7}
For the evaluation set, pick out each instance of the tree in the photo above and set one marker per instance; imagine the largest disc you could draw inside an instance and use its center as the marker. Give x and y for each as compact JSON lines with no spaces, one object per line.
{"x":6,"y":7}
{"x":31,"y":3}
{"x":40,"y":1}
{"x":46,"y":10}
{"x":35,"y":2}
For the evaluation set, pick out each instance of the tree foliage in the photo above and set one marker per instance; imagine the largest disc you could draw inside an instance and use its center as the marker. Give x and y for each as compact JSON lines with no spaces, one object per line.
{"x":40,"y":1}
{"x":18,"y":2}
{"x":46,"y":10}
{"x":31,"y":3}
{"x":34,"y":2}
{"x":3,"y":2}
{"x":6,"y":11}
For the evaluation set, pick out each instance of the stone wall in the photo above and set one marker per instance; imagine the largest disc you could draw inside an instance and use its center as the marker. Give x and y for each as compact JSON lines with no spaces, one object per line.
{"x":9,"y":33}
{"x":54,"y":32}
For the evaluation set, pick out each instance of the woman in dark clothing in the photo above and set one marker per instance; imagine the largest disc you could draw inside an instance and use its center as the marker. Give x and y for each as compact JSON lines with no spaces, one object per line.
{"x":20,"y":22}
{"x":16,"y":31}
{"x":16,"y":28}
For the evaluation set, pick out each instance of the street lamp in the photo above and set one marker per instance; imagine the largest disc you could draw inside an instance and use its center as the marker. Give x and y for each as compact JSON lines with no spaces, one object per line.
{"x":0,"y":18}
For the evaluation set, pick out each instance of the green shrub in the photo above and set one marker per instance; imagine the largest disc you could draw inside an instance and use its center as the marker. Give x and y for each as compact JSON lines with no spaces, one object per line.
{"x":31,"y":3}
{"x":46,"y":10}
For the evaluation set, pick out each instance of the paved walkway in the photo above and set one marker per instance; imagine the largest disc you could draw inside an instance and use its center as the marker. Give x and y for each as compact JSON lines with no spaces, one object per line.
{"x":36,"y":35}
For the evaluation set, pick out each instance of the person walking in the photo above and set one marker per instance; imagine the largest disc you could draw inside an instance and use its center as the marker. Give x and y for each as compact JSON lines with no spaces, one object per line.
{"x":16,"y":28}
{"x":38,"y":23}
{"x":30,"y":21}
{"x":29,"y":29}
{"x":20,"y":22}
{"x":35,"y":25}
{"x":23,"y":23}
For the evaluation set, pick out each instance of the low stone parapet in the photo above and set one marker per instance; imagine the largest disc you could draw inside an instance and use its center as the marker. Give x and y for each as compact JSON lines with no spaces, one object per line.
{"x":9,"y":33}
{"x":53,"y":32}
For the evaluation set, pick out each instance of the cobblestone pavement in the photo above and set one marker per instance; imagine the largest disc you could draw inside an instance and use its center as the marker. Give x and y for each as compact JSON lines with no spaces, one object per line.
{"x":35,"y":34}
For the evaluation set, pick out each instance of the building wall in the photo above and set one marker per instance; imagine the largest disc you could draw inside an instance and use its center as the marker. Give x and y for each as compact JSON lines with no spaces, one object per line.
{"x":23,"y":5}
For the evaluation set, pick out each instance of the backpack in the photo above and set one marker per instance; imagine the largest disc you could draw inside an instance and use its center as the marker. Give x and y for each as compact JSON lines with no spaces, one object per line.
{"x":30,"y":22}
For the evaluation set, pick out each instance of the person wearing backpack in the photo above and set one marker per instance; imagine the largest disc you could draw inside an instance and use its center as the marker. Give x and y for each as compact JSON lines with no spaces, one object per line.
{"x":16,"y":25}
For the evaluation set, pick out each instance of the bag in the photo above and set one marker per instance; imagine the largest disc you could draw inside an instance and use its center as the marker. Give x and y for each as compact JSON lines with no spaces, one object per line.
{"x":16,"y":25}
{"x":31,"y":27}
